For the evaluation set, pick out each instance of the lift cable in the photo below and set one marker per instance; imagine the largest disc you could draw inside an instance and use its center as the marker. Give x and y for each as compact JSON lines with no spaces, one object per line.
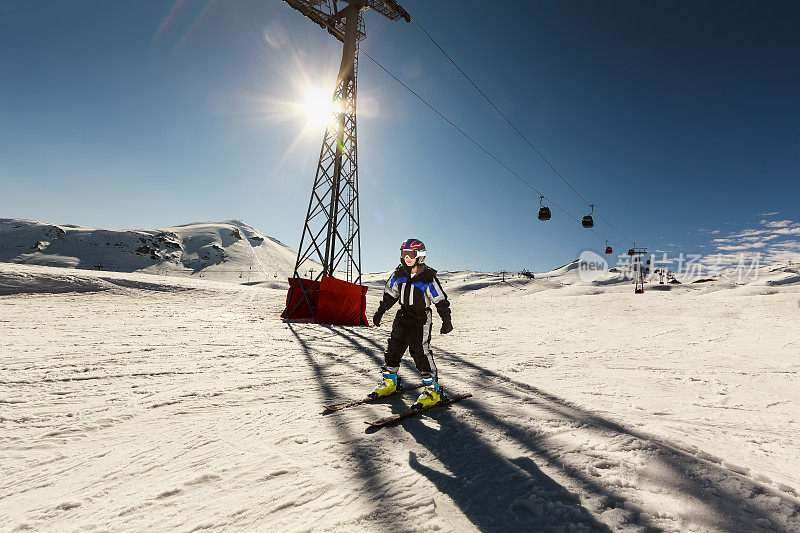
{"x":476,"y":143}
{"x":515,"y":128}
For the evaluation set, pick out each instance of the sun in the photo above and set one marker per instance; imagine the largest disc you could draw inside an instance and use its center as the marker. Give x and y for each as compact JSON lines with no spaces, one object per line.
{"x":318,"y":106}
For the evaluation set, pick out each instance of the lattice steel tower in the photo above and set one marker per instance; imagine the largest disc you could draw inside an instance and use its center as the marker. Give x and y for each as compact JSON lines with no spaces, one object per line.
{"x":331,"y":233}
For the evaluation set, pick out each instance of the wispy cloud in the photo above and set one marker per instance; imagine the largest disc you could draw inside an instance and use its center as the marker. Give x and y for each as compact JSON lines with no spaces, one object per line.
{"x":733,"y":248}
{"x":777,"y":223}
{"x":775,"y":240}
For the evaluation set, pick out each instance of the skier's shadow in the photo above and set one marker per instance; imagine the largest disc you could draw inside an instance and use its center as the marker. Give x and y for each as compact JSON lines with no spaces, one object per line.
{"x":493,"y":492}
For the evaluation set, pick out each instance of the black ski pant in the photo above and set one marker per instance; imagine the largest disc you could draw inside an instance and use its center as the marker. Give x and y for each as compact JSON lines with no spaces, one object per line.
{"x":412,"y":329}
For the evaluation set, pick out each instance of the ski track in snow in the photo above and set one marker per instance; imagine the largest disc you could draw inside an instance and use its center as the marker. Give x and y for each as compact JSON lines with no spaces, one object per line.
{"x":148,"y":403}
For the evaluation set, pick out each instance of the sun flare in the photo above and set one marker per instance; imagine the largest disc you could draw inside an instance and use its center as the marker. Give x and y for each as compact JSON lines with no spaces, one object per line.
{"x":318,"y":106}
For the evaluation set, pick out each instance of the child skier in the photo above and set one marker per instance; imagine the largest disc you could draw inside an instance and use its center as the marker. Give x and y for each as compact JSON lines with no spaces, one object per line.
{"x":416,"y":286}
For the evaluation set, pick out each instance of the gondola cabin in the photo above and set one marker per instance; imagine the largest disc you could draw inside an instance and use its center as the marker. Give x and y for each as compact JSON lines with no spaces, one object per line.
{"x":588,"y":221}
{"x":544,"y":211}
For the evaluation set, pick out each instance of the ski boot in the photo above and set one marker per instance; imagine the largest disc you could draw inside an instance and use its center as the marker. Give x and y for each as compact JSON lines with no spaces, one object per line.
{"x":387,"y":386}
{"x":430,"y":395}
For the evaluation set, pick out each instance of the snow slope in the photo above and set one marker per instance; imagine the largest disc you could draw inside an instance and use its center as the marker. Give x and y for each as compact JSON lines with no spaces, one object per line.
{"x":140,"y":402}
{"x":223,"y":251}
{"x":137,"y":402}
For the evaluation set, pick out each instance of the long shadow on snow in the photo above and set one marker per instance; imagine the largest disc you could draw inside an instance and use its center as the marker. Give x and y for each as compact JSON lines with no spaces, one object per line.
{"x":493,"y":492}
{"x":711,"y":486}
{"x":686,"y":473}
{"x":366,"y":465}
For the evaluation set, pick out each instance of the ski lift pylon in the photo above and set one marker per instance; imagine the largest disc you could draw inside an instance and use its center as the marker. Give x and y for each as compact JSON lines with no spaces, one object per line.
{"x":544,"y":211}
{"x":588,"y":221}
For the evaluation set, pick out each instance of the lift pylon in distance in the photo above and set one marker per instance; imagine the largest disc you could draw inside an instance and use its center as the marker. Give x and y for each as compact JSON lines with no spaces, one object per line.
{"x":638,"y":268}
{"x":331,"y":240}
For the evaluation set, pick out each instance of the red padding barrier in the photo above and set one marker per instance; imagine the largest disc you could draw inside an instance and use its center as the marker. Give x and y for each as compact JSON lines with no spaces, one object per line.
{"x":342,"y":303}
{"x":334,"y":301}
{"x":294,"y":297}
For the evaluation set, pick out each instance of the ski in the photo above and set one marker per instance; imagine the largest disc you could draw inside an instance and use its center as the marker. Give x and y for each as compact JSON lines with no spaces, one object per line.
{"x":369,"y":399}
{"x":414,"y":411}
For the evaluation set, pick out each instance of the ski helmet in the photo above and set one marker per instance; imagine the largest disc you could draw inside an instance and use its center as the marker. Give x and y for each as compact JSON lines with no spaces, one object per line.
{"x":415,"y":249}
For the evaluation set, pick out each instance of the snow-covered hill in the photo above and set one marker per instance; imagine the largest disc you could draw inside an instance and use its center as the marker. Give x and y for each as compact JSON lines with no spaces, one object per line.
{"x":224,"y":251}
{"x":568,"y":280}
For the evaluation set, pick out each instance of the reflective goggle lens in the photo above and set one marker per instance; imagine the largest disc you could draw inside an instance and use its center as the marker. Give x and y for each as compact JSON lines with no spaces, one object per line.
{"x":408,"y":253}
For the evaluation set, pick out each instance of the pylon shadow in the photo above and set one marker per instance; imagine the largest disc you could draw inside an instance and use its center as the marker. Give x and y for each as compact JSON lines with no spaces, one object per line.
{"x":731,"y":502}
{"x":364,"y":462}
{"x":724,"y":500}
{"x":492,"y":491}
{"x":516,"y":504}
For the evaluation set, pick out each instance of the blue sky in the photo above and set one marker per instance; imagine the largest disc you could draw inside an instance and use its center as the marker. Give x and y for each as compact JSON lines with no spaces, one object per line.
{"x":680,"y":120}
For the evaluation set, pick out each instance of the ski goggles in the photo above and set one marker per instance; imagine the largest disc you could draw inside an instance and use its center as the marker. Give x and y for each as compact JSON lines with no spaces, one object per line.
{"x":412,"y":254}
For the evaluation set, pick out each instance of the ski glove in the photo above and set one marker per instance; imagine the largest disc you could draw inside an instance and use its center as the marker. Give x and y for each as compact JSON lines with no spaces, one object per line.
{"x":387,"y":302}
{"x":447,"y":327}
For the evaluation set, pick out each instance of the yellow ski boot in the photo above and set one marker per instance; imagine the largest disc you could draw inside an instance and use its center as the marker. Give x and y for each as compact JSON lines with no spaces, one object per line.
{"x":385,"y":387}
{"x":430,"y":395}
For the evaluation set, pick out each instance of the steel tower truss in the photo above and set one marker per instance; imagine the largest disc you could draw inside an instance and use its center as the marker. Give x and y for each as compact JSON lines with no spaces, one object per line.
{"x":638,"y":254}
{"x":331,"y":235}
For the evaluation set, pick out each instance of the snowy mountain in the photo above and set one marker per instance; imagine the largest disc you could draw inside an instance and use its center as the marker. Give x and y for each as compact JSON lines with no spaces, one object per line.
{"x":233,"y":251}
{"x":223,"y":251}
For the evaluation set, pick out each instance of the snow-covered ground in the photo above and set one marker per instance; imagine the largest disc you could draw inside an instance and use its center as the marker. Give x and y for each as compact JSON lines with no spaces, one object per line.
{"x":138,"y":402}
